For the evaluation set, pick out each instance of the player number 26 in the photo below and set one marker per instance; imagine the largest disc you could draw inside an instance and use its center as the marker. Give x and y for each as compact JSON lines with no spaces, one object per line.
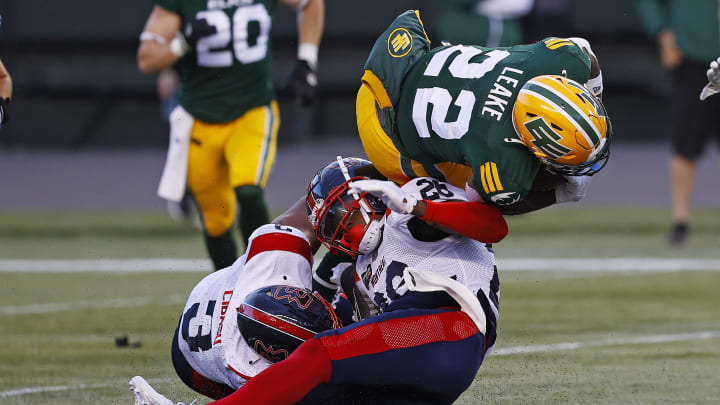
{"x":209,"y":53}
{"x":441,"y":99}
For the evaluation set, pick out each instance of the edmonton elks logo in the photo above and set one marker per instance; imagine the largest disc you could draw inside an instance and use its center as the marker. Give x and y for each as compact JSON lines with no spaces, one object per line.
{"x":546,"y":139}
{"x":400,"y":43}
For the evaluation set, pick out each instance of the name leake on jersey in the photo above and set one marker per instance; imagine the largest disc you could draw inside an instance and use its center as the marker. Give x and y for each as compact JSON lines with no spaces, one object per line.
{"x":500,"y":95}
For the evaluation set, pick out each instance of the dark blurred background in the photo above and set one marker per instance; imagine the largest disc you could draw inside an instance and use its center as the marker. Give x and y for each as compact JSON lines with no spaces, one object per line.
{"x":77,"y":84}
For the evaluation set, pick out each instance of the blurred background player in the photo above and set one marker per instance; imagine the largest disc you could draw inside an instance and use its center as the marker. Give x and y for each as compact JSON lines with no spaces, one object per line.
{"x":688,"y":35}
{"x":223,"y":134}
{"x":5,"y":93}
{"x":490,"y":23}
{"x":527,"y":135}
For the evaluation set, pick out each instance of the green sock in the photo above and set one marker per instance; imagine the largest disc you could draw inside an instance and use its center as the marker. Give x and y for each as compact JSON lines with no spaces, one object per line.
{"x":222,"y":249}
{"x":253,"y":211}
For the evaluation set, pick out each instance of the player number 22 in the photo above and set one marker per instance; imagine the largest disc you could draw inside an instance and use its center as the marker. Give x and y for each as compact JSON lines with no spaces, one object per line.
{"x":441,"y":99}
{"x":207,"y":49}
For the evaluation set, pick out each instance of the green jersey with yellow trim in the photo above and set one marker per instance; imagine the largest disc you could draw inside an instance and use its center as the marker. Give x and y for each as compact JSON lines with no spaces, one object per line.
{"x":456,"y":105}
{"x":228,"y":73}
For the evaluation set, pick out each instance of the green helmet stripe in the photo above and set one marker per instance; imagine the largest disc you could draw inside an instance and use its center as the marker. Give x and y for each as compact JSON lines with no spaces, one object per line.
{"x":569,"y":109}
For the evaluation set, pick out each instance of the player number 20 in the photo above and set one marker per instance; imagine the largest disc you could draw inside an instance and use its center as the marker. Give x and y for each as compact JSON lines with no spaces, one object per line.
{"x":441,"y":99}
{"x":207,"y":49}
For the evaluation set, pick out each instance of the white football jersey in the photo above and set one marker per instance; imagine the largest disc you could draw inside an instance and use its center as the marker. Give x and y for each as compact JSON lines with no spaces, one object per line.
{"x":465,"y":260}
{"x":209,"y":337}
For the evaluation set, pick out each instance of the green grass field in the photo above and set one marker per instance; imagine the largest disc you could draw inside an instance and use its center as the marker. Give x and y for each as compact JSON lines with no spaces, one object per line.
{"x":571,"y":338}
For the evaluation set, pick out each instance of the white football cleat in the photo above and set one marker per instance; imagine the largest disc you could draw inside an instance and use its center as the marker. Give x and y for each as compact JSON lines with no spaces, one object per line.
{"x":145,"y":394}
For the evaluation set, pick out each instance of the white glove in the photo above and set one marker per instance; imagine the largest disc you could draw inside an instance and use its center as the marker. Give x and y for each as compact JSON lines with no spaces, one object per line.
{"x":145,"y":394}
{"x":395,"y":198}
{"x":574,"y":190}
{"x":713,"y":75}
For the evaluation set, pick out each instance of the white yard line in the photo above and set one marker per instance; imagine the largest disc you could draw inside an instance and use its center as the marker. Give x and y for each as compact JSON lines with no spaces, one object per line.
{"x":106,"y":265}
{"x":503,"y":351}
{"x":638,"y":340}
{"x":579,"y":265}
{"x":90,"y":304}
{"x":55,"y":388}
{"x":619,"y":264}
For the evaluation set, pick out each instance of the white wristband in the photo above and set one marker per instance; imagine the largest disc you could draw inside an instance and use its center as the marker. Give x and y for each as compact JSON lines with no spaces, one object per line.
{"x":151,"y":36}
{"x":179,"y":46}
{"x":595,"y":85}
{"x":309,"y":53}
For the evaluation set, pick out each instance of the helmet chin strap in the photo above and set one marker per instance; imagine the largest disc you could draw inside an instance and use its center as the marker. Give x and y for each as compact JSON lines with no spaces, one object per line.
{"x":371,"y":238}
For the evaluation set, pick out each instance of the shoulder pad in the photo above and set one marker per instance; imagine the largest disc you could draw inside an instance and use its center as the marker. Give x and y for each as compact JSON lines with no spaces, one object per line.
{"x":395,"y":52}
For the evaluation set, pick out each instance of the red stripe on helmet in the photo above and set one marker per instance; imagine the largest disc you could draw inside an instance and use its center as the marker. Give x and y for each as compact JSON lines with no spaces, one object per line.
{"x":275,"y":323}
{"x":279,"y":241}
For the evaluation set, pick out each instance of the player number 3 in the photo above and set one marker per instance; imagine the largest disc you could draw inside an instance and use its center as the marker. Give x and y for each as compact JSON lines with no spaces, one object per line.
{"x":208,"y":48}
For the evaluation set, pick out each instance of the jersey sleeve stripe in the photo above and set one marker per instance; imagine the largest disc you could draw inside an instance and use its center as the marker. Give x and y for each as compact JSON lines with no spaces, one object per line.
{"x":498,"y":184}
{"x":279,"y":241}
{"x":488,"y":177}
{"x":482,"y":178}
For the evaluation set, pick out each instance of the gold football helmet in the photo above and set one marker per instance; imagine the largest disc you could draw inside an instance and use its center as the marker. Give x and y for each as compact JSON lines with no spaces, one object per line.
{"x":563,"y":124}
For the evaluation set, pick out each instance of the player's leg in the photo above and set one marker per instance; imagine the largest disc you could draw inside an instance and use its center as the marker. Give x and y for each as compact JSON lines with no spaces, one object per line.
{"x":209,"y":184}
{"x":690,"y":133}
{"x":250,"y":153}
{"x":192,"y":378}
{"x":378,"y":146}
{"x":434,"y":352}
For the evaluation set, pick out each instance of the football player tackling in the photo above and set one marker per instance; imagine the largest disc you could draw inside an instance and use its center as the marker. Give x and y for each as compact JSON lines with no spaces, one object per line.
{"x":223,"y":134}
{"x":520,"y":127}
{"x":435,"y":294}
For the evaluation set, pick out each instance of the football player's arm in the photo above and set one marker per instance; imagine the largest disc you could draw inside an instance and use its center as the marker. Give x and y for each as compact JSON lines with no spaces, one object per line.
{"x":473,"y":220}
{"x":5,"y":82}
{"x":296,"y":216}
{"x":311,"y":23}
{"x":159,"y":47}
{"x":534,"y":201}
{"x":540,"y":196}
{"x":5,"y":93}
{"x":595,"y":83}
{"x":546,"y":192}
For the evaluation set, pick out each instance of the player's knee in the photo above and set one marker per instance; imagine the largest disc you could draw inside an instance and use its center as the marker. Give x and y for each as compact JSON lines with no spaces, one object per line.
{"x":248,"y":194}
{"x":218,"y":221}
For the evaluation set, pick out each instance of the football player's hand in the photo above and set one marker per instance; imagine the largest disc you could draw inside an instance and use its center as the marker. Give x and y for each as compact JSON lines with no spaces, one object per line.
{"x":393,"y":197}
{"x":574,"y":190}
{"x":302,"y":83}
{"x":3,"y":110}
{"x":713,"y":75}
{"x":197,"y":30}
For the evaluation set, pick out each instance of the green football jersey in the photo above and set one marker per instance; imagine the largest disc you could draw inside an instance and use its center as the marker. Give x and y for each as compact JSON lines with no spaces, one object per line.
{"x":456,"y":105}
{"x":228,"y":73}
